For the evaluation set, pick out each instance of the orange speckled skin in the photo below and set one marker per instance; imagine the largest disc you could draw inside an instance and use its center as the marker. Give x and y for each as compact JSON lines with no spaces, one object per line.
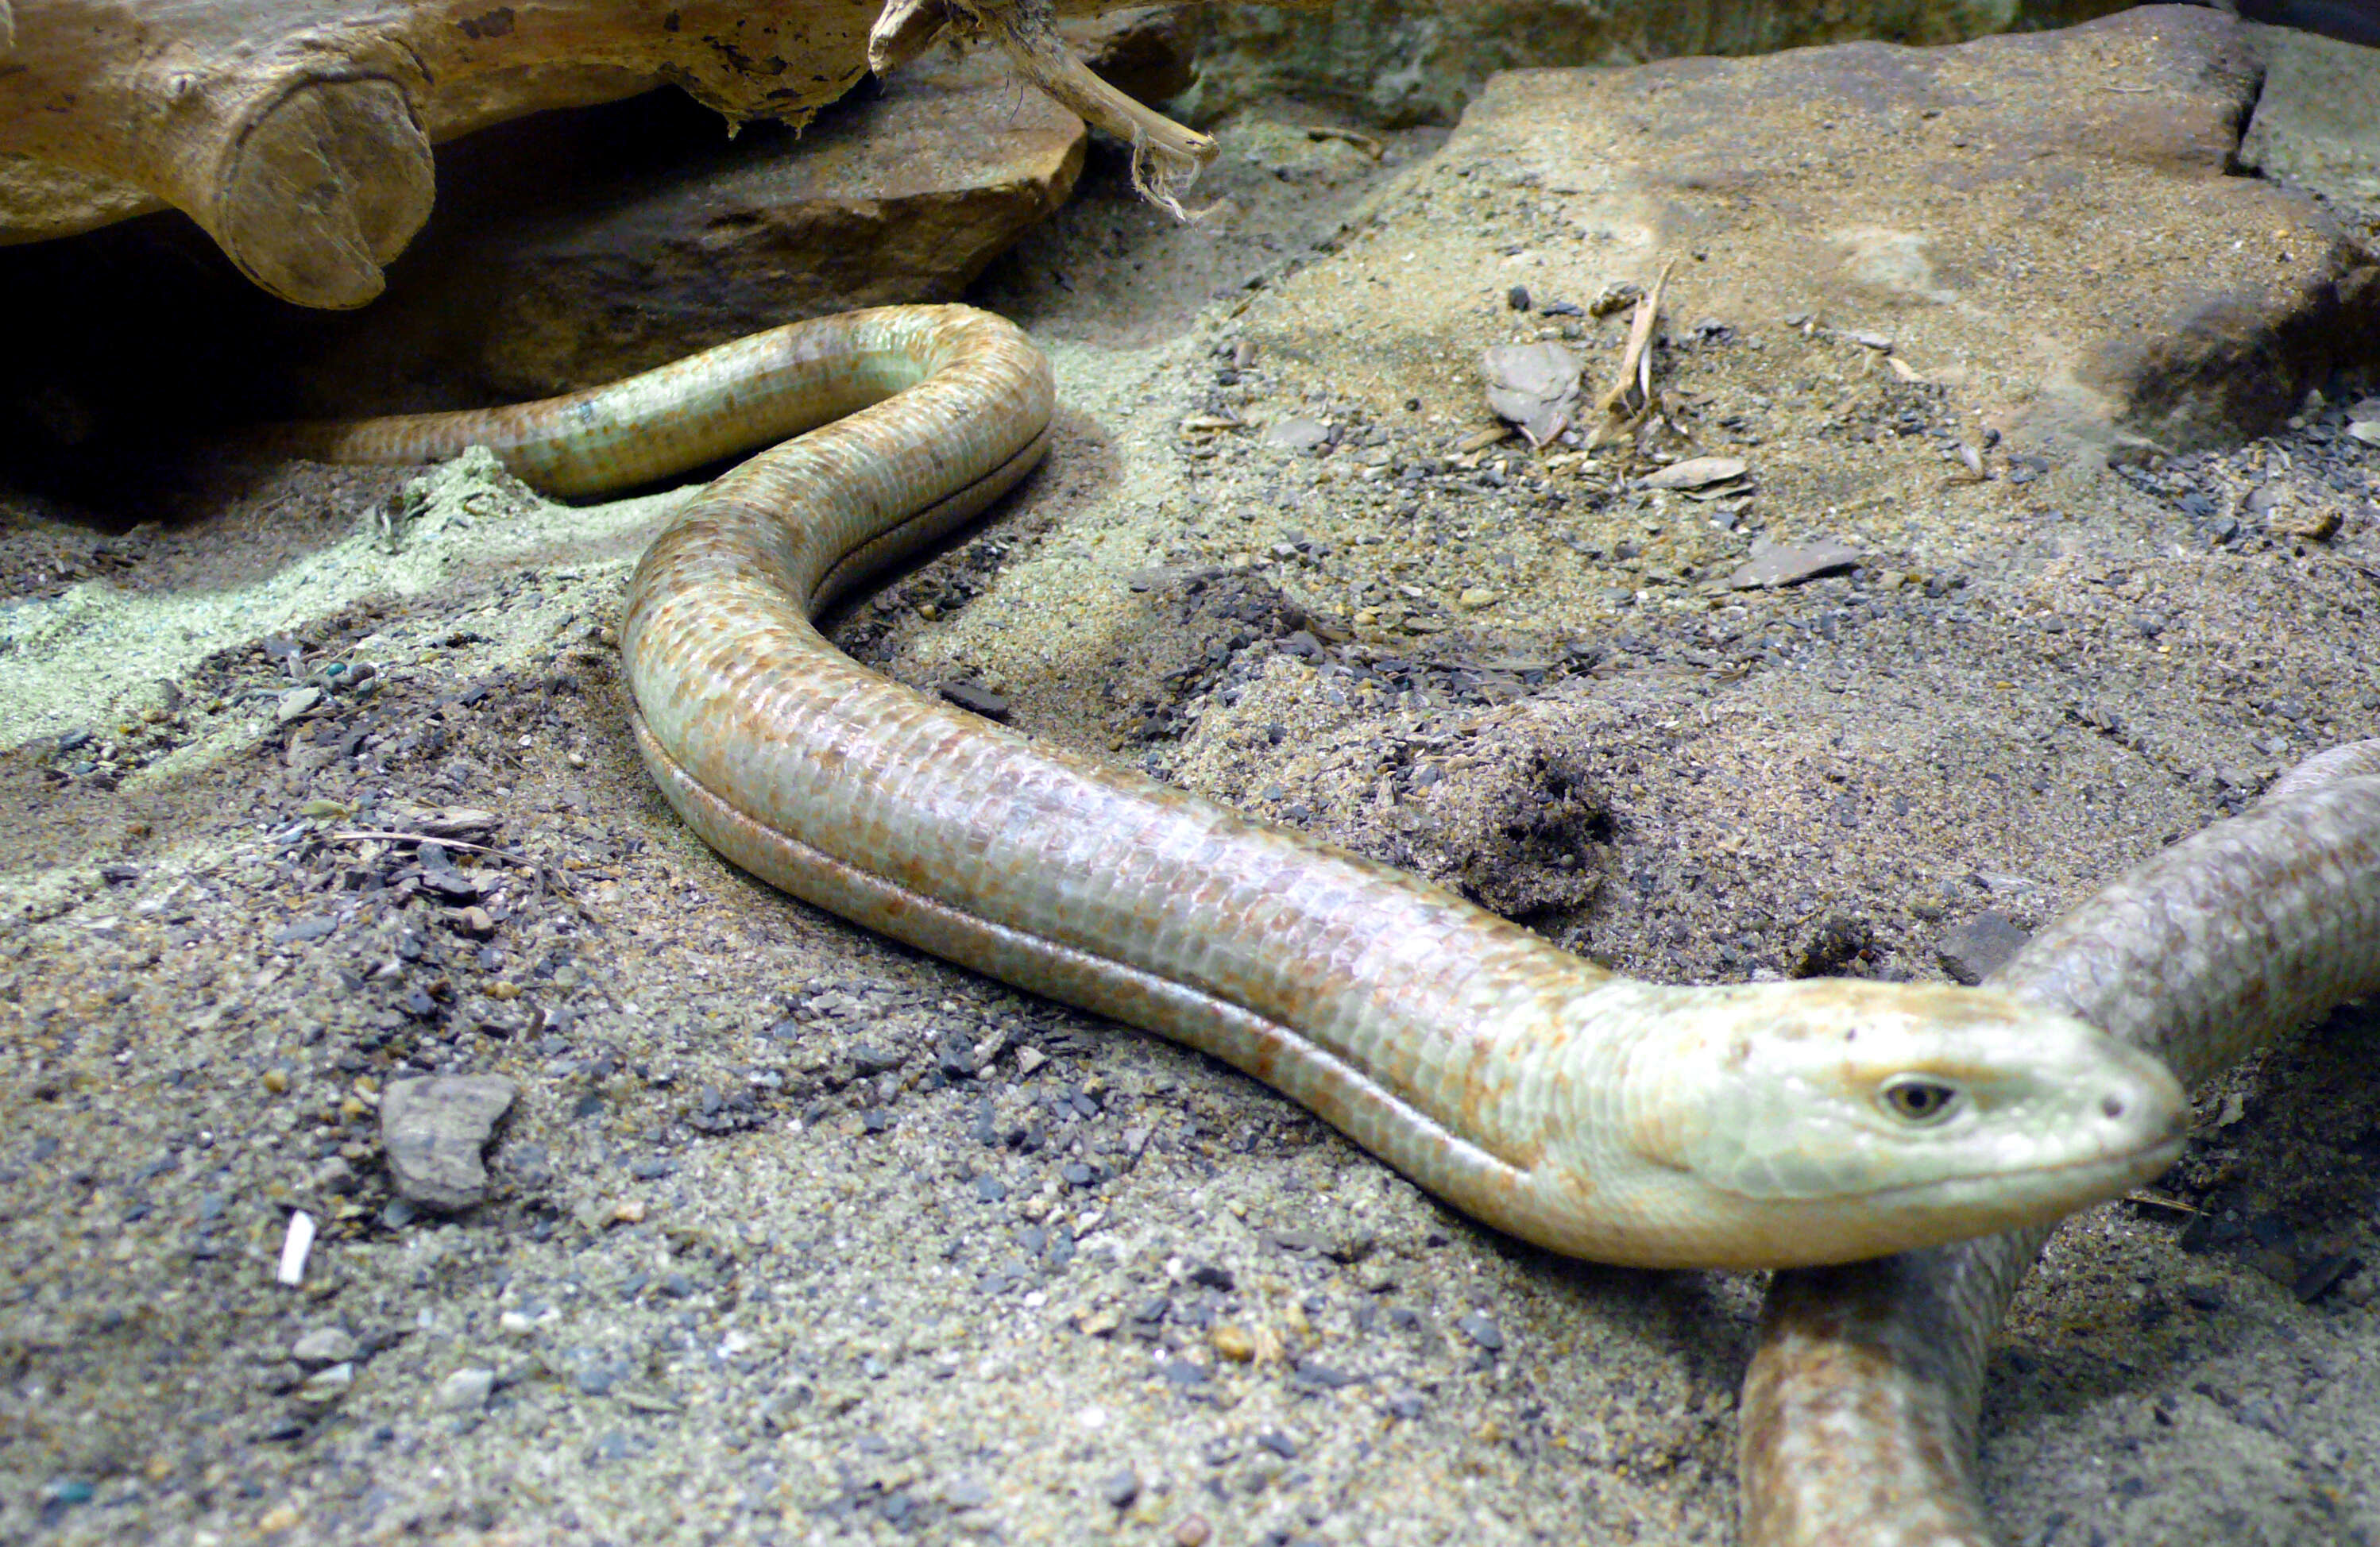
{"x":1598,"y":1117}
{"x":1052,"y":871}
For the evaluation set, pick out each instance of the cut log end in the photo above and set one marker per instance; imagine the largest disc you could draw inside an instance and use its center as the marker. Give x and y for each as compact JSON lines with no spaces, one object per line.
{"x":327,"y":185}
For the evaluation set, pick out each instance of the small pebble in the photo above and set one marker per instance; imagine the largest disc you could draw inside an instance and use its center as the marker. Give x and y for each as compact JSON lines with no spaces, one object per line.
{"x":1296,"y":434}
{"x":433,"y":1130}
{"x":1476,"y":1326}
{"x":328,"y":1385}
{"x":975,"y":698}
{"x":313,"y":927}
{"x":1975,"y":950}
{"x":465,"y":1391}
{"x":325,"y":1346}
{"x":67,"y":1490}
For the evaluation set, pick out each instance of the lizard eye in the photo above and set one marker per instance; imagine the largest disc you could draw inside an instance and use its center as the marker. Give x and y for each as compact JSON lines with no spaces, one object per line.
{"x":1916,"y":1099}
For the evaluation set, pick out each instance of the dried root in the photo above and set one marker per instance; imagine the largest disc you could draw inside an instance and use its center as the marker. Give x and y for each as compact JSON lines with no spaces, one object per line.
{"x":1633,"y":400}
{"x":1166,"y":157}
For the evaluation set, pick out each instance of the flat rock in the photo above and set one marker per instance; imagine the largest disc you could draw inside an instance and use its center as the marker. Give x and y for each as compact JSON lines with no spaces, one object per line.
{"x":2045,"y":225}
{"x":1408,"y":64}
{"x":2317,"y":123}
{"x":1698,"y":471}
{"x":559,"y":261}
{"x":1975,"y":950}
{"x":1300,"y":435}
{"x":1782,"y":563}
{"x":433,"y":1130}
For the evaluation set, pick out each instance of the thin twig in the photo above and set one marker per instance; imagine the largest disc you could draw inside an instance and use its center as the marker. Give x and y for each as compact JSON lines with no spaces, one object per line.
{"x":360,"y":834}
{"x":546,"y":875}
{"x":1362,"y":142}
{"x":1631,"y":399}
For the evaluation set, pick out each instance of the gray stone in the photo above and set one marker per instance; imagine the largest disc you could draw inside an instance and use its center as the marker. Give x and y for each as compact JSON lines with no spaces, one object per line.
{"x":1534,"y":385}
{"x":465,"y":1391}
{"x":1482,"y":1330}
{"x":2317,"y":123}
{"x":1298,"y":435}
{"x":1978,"y":948}
{"x":433,"y":1130}
{"x":1782,"y":563}
{"x":314,"y":927}
{"x":327,"y":1385}
{"x":975,"y":698}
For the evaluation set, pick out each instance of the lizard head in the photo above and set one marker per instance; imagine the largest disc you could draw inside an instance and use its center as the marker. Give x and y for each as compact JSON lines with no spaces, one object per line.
{"x":1822,"y":1121}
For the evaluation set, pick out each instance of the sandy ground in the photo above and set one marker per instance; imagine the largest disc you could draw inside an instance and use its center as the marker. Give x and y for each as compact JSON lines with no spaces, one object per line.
{"x":796,"y":1236}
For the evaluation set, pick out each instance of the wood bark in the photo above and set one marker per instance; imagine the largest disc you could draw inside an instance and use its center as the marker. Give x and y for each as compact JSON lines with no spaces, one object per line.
{"x":298,"y":133}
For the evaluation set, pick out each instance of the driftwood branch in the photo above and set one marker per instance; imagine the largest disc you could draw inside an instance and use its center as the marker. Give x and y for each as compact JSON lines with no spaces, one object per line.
{"x":298,"y":132}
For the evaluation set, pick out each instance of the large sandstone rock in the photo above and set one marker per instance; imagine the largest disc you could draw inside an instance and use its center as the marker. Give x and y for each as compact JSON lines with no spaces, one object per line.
{"x":1400,"y":62}
{"x":2045,"y":222}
